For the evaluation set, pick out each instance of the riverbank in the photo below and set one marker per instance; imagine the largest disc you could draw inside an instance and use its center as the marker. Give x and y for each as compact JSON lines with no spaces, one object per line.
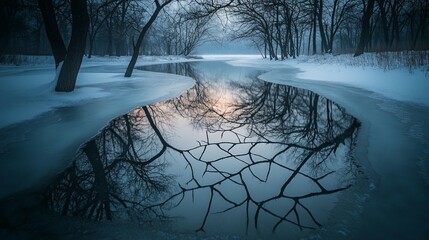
{"x":41,"y":129}
{"x":393,"y":108}
{"x":395,"y":82}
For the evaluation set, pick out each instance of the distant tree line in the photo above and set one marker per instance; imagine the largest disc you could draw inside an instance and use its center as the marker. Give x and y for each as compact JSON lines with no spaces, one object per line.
{"x":74,"y":28}
{"x":288,"y":28}
{"x":278,"y":28}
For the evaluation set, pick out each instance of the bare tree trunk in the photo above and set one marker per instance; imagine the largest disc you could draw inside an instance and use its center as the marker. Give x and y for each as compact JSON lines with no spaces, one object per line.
{"x":274,"y":50}
{"x":291,"y":43}
{"x":265,"y":48}
{"x":109,"y":50}
{"x":314,"y":32}
{"x":270,"y":46}
{"x":57,"y":44}
{"x":279,"y":37}
{"x":91,"y":46}
{"x":298,"y":39}
{"x":321,"y":29}
{"x":70,"y":69}
{"x":309,"y":41}
{"x":146,"y":27}
{"x":365,"y":31}
{"x":383,"y":15}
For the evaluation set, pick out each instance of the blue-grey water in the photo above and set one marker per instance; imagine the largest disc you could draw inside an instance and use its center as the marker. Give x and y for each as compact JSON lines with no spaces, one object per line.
{"x":232,"y":157}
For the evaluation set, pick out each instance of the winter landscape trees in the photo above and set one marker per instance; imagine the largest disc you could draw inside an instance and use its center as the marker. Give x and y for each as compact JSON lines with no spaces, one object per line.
{"x":289,"y":27}
{"x":72,"y":55}
{"x":282,"y":27}
{"x":279,"y":29}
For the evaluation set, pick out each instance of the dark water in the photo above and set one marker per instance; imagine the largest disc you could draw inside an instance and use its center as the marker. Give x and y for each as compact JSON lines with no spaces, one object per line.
{"x":232,"y":155}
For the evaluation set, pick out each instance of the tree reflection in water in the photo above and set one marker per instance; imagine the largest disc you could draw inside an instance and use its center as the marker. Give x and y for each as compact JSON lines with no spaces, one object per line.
{"x":267,"y":153}
{"x":120,"y":168}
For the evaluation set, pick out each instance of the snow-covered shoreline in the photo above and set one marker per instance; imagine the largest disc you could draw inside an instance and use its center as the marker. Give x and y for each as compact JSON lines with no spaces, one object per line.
{"x":394,"y":80}
{"x":42,"y":129}
{"x":393,"y":107}
{"x":27,"y":91}
{"x":399,"y":83}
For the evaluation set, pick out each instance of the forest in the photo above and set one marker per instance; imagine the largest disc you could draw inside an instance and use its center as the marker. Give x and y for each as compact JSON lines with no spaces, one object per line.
{"x":277,"y":28}
{"x":70,"y":29}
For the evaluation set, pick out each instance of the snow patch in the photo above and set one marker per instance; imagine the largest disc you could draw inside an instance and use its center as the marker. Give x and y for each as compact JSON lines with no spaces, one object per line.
{"x":399,"y":84}
{"x":26,"y":92}
{"x":36,"y":147}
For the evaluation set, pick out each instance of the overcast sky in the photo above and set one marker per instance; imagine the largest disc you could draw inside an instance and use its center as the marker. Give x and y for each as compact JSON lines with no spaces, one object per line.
{"x":227,"y":47}
{"x":222,"y":29}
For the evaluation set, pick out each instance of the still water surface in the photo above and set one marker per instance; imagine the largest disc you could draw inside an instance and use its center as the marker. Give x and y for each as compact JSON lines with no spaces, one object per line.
{"x":232,"y":155}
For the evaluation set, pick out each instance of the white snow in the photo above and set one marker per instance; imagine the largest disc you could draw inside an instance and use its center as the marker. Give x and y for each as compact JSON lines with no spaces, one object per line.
{"x":398,"y":83}
{"x":32,"y":150}
{"x":28,"y":91}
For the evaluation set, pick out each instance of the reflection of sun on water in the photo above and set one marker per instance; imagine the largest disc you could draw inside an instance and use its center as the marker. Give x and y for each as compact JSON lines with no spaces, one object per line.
{"x":223,"y":99}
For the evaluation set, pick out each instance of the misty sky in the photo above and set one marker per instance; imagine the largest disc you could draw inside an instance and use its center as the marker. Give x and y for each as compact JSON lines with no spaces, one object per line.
{"x":227,"y":47}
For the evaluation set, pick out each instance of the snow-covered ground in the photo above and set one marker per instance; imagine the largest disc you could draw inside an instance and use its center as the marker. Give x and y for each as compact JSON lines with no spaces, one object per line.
{"x":27,"y":90}
{"x":397,"y":83}
{"x":41,"y":129}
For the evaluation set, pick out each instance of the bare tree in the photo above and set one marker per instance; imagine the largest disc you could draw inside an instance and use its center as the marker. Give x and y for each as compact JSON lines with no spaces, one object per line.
{"x":364,"y":36}
{"x":182,"y":32}
{"x":319,"y":7}
{"x":99,"y":13}
{"x":73,"y":55}
{"x":136,"y":48}
{"x":57,"y":44}
{"x":339,"y":13}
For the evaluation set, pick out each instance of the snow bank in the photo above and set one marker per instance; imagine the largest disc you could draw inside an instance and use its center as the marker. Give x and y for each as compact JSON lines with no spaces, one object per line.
{"x":227,"y":57}
{"x":27,"y":91}
{"x":31,"y":60}
{"x":399,"y":83}
{"x":393,"y":108}
{"x":31,"y":151}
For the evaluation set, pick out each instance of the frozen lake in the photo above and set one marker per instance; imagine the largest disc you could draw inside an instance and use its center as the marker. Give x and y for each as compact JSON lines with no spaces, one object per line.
{"x":236,"y":157}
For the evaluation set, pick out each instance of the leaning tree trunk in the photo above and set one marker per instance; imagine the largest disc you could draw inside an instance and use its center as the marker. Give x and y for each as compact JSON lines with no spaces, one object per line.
{"x":364,"y":36}
{"x":70,"y":69}
{"x":146,"y":27}
{"x":57,"y":44}
{"x":139,"y":43}
{"x":136,"y":49}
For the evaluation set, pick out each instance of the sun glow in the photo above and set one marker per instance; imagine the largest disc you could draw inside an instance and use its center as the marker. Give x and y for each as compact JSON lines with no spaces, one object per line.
{"x":223,"y":99}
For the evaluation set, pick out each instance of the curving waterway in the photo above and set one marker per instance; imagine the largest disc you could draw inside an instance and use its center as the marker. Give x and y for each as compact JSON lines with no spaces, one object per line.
{"x":232,"y":157}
